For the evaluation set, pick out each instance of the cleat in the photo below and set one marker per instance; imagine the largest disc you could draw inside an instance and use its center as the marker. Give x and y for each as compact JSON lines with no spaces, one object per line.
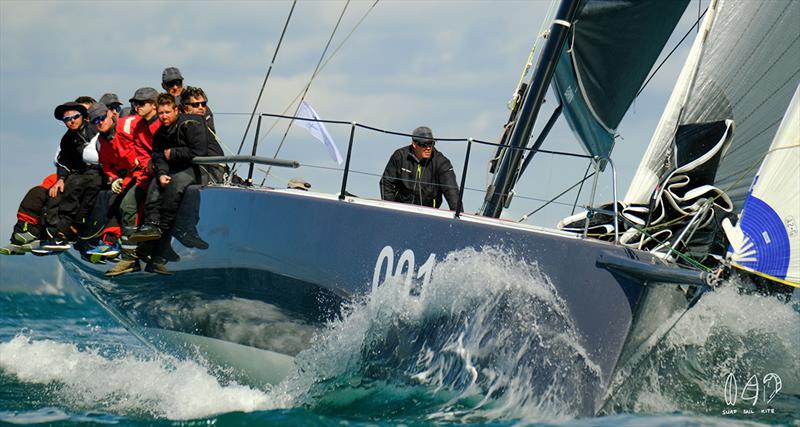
{"x":124,"y":266}
{"x":158,"y":269}
{"x":145,"y":233}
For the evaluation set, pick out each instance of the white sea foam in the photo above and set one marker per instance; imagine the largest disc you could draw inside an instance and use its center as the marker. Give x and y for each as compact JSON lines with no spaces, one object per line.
{"x":727,"y":333}
{"x":162,"y":387}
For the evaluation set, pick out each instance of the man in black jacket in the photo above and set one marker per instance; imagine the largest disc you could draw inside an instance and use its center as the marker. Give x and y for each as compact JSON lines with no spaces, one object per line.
{"x":419,"y":174}
{"x":72,"y":197}
{"x":180,"y":138}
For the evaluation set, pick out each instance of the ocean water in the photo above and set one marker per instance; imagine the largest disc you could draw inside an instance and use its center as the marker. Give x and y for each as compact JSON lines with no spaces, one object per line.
{"x":467,"y":349}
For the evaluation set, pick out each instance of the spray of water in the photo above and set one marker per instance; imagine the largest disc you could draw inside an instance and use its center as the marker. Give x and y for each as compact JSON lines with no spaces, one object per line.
{"x":487,"y":338}
{"x":162,"y":387}
{"x":727,"y":334}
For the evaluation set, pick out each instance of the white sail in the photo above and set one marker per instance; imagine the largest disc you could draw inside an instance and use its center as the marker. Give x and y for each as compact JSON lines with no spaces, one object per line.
{"x":744,"y":66}
{"x":766,"y":239}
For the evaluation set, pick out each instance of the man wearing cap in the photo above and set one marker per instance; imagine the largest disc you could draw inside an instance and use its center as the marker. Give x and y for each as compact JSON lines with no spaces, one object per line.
{"x":112,"y":102}
{"x":419,"y":174}
{"x":78,"y":182}
{"x":119,"y":164}
{"x":180,"y":138}
{"x":135,"y":132}
{"x":172,"y":82}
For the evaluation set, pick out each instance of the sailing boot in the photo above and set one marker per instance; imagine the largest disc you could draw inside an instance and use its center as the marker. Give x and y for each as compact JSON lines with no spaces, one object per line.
{"x":124,"y":266}
{"x":12,"y":250}
{"x":23,"y":233}
{"x":129,"y":261}
{"x":158,"y":265}
{"x":56,"y":241}
{"x":146,"y":233}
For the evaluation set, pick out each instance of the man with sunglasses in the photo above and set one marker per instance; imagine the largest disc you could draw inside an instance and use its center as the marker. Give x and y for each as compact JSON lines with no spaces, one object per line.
{"x":112,"y":103}
{"x":172,"y":82}
{"x":78,"y":182}
{"x":195,"y":102}
{"x":419,"y":174}
{"x":180,"y":138}
{"x":119,"y":164}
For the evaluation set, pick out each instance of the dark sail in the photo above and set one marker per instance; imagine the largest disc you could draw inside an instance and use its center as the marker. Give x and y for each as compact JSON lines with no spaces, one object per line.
{"x":612,"y":47}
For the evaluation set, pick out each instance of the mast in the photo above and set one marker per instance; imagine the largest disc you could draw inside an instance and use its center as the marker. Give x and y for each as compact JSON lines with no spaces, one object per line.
{"x":498,"y":192}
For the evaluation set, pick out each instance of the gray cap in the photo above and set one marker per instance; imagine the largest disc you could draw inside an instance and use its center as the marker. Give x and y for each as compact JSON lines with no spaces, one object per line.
{"x":110,"y":99}
{"x":423,"y":135}
{"x":144,"y":94}
{"x":171,"y":73}
{"x":97,"y":110}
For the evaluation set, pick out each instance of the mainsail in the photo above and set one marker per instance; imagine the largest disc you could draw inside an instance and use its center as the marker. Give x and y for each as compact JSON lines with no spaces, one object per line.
{"x":766,"y":239}
{"x":612,"y":47}
{"x":744,"y":66}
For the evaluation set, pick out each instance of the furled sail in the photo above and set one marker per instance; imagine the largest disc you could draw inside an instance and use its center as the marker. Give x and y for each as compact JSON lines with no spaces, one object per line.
{"x":767,"y":239}
{"x":744,"y":66}
{"x":611,"y":49}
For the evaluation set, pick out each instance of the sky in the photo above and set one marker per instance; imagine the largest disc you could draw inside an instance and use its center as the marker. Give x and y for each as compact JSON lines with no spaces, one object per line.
{"x":449,"y":65}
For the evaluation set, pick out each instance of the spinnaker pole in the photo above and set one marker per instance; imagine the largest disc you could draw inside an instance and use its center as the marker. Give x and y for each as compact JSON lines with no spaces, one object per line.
{"x":504,"y":179}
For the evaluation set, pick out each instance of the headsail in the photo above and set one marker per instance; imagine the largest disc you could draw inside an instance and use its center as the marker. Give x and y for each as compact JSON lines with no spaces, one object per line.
{"x":744,"y":66}
{"x":612,"y":47}
{"x":767,"y":238}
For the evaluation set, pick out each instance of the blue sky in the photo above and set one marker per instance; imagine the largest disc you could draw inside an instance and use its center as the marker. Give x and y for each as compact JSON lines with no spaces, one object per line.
{"x":445,"y":64}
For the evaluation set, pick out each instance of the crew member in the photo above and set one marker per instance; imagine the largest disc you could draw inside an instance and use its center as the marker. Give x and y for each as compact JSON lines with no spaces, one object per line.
{"x":73,"y":195}
{"x":419,"y":174}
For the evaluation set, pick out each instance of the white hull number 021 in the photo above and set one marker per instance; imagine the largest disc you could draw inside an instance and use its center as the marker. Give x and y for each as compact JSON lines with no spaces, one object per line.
{"x":405,"y":270}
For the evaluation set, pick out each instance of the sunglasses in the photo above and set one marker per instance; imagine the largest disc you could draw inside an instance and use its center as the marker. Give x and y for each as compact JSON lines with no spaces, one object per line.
{"x":97,"y":120}
{"x":197,"y":104}
{"x":424,"y":144}
{"x":137,"y":104}
{"x":172,"y":83}
{"x":68,"y":119}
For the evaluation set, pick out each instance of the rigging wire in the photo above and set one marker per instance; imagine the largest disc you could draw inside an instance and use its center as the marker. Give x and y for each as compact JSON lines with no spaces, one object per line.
{"x":321,"y":67}
{"x":313,"y":75}
{"x":269,"y":71}
{"x":525,"y":217}
{"x":653,"y":74}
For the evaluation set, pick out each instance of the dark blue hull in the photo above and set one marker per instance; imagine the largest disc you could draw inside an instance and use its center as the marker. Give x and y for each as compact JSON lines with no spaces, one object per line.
{"x":280,"y":264}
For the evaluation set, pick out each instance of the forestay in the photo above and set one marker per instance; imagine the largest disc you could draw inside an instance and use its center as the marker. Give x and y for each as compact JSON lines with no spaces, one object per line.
{"x":611,"y":49}
{"x":744,"y":66}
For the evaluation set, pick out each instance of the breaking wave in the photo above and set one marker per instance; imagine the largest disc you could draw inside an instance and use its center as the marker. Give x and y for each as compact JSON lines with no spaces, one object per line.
{"x":487,"y":338}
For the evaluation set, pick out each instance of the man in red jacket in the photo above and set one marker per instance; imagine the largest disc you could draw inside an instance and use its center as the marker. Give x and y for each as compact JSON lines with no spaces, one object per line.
{"x":29,"y":228}
{"x":130,"y":150}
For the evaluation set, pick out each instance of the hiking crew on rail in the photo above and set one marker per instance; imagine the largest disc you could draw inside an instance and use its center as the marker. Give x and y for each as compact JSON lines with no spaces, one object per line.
{"x":121,"y":177}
